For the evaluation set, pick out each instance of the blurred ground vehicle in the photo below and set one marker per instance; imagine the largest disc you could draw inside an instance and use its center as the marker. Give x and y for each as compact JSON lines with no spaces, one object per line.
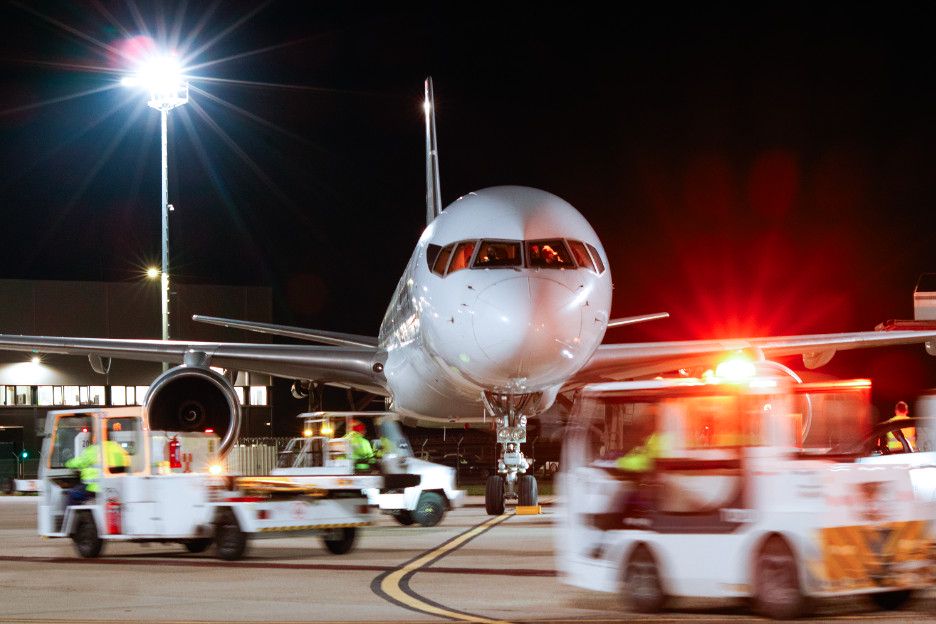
{"x":169,"y":488}
{"x":918,"y":451}
{"x":424,"y":503}
{"x":741,"y":498}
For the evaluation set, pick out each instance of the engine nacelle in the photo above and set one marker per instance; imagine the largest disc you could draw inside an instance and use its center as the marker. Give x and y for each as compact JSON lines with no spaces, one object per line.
{"x":191,"y":398}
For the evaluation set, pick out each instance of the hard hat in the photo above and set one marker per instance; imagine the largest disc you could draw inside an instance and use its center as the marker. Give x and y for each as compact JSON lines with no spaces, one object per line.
{"x":357,"y":425}
{"x":901,"y":407}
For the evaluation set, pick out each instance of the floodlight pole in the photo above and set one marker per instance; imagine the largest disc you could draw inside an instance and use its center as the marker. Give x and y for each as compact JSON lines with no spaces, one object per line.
{"x":164,"y":275}
{"x":164,"y":101}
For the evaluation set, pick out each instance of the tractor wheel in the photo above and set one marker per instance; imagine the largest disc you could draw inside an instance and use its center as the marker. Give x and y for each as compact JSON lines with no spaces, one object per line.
{"x":643,"y":588}
{"x":85,"y":536}
{"x":429,"y":509}
{"x":340,"y":541}
{"x":230,"y":540}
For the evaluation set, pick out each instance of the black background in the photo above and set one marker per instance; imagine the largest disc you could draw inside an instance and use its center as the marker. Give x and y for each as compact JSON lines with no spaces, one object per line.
{"x":767,"y":171}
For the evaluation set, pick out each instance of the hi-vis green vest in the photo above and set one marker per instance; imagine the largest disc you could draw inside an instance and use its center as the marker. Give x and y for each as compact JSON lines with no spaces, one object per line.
{"x":641,"y":458}
{"x":361,"y":450}
{"x":87,"y":462}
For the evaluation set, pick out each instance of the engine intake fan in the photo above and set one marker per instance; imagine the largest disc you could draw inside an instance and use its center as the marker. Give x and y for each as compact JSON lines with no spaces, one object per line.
{"x":191,"y":398}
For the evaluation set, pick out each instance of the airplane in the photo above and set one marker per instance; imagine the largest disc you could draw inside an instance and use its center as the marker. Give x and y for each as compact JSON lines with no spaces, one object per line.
{"x":504,"y":303}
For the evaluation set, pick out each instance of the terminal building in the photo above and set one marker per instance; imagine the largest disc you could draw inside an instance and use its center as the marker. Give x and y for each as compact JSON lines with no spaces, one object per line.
{"x":31,"y":384}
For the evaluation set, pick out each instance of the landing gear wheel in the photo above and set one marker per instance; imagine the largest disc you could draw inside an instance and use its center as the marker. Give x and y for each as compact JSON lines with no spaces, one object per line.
{"x":777,"y":592}
{"x":528,"y":491}
{"x":230,"y":540}
{"x":643,"y":589}
{"x":85,"y":536}
{"x":494,"y":495}
{"x":7,"y":485}
{"x":196,"y":546}
{"x":892,"y":600}
{"x":340,"y":541}
{"x":404,"y":517}
{"x":429,"y":509}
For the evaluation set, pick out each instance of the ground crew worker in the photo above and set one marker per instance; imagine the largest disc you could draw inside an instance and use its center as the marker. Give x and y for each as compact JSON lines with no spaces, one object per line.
{"x":895,"y":439}
{"x":640,"y":461}
{"x":361,"y":451}
{"x":116,"y":459}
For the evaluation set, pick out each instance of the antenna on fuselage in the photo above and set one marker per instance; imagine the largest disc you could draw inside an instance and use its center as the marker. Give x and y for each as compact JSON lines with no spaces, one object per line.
{"x":433,"y":191}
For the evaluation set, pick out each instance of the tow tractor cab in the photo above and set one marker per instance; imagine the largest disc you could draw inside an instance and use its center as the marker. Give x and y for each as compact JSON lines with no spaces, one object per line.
{"x":170,"y":487}
{"x":685,"y":488}
{"x":323,"y":449}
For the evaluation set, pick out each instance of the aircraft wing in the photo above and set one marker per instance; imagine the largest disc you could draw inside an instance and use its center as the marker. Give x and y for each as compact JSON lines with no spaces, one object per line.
{"x":628,"y":360}
{"x":358,"y":366}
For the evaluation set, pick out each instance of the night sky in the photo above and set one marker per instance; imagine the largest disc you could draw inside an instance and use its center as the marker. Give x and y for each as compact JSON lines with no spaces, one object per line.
{"x":752,"y":173}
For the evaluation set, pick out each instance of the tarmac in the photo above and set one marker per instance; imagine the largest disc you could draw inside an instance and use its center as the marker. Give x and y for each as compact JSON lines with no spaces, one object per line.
{"x":470,"y":568}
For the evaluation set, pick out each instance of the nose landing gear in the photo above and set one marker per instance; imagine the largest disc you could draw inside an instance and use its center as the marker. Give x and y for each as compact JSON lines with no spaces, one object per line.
{"x":511,"y":483}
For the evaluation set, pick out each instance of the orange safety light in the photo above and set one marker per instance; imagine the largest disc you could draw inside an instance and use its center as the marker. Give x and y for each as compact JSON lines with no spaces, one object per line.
{"x":735,"y":369}
{"x":117,"y":426}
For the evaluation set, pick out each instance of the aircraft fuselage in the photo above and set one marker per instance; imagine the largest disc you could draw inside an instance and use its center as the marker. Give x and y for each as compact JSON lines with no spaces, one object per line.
{"x":507,"y":291}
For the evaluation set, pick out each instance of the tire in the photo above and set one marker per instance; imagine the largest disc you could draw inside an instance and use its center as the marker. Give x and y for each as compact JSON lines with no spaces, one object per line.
{"x":643,"y":589}
{"x":528,"y":491}
{"x":891,"y":600}
{"x":777,"y":592}
{"x":196,"y":546}
{"x":404,"y":517}
{"x":430,"y":508}
{"x":85,"y":536}
{"x":7,"y":486}
{"x":343,"y":541}
{"x":494,"y":495}
{"x":230,"y":540}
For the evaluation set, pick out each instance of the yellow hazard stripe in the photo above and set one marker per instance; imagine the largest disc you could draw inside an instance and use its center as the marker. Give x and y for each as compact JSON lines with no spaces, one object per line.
{"x":309,"y":527}
{"x":856,"y":556}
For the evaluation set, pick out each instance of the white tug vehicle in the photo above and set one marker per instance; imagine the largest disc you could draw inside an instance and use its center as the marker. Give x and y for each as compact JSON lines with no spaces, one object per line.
{"x":702,"y":488}
{"x":322,"y":450}
{"x":170,"y":486}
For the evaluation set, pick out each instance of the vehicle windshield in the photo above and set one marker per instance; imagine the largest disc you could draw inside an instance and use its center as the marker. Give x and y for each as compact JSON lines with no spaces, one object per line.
{"x":392,"y":440}
{"x":72,"y":435}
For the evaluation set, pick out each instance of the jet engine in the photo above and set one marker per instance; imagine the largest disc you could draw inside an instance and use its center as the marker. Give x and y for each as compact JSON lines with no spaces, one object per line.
{"x":192,"y":398}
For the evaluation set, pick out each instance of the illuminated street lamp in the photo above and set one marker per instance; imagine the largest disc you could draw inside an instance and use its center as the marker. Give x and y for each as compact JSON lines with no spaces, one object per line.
{"x":162,"y":77}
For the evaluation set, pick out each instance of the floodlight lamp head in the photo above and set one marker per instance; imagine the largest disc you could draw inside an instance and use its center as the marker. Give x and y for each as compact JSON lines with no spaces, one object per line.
{"x":162,"y":77}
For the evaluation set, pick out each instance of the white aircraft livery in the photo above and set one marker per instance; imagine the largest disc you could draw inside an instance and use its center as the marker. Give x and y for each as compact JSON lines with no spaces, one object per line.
{"x":504,"y":304}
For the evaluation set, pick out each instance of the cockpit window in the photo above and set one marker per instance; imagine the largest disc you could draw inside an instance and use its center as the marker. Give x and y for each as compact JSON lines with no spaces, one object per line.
{"x":597,"y":257}
{"x":441,"y":260}
{"x":462,"y":256}
{"x":431,"y":252}
{"x":581,"y":255}
{"x":494,"y":254}
{"x":548,"y":254}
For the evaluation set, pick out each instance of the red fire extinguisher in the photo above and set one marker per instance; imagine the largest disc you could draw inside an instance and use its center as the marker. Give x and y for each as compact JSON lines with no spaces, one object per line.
{"x":112,"y":516}
{"x":175,"y":456}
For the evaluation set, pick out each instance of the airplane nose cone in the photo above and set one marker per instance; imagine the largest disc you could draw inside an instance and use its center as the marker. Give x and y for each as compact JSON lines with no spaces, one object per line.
{"x":528,"y":328}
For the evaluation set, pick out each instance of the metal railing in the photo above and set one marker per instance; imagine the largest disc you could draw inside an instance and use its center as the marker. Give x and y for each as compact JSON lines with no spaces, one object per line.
{"x":254,"y":456}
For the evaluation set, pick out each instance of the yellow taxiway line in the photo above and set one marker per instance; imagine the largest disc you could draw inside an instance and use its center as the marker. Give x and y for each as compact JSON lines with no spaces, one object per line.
{"x":392,"y":584}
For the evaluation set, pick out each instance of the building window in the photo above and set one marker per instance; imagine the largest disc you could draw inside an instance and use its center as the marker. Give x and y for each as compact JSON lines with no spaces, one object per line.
{"x":23,"y":395}
{"x":258,"y":395}
{"x":44,"y":395}
{"x":71,"y":395}
{"x":118,"y":395}
{"x":97,"y":395}
{"x":58,"y":397}
{"x":140,"y":394}
{"x":239,"y":390}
